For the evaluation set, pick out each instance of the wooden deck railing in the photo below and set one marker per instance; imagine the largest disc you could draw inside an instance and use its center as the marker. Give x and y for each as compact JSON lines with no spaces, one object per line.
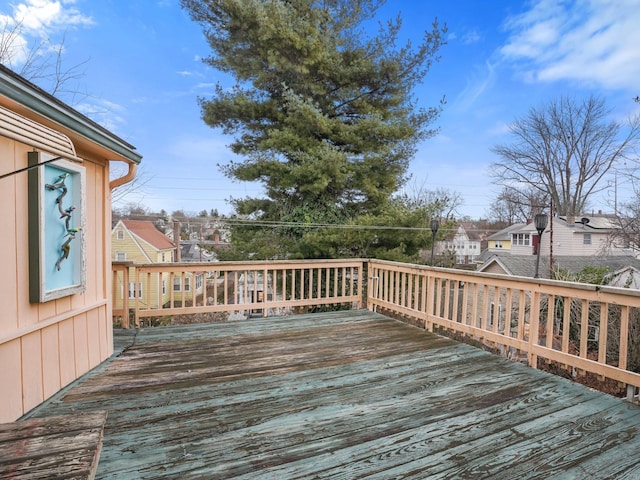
{"x":585,"y":328}
{"x":162,"y":291}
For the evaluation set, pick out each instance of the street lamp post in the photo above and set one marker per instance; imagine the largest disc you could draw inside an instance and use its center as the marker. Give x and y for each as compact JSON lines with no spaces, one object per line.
{"x":540,"y":221}
{"x":435,"y":225}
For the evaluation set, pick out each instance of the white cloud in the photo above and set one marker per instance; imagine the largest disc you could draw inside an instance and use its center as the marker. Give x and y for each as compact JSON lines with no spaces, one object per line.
{"x":28,"y":27}
{"x":470,"y":37}
{"x":482,"y":80}
{"x":108,"y":114}
{"x":43,"y":14}
{"x":591,"y":42}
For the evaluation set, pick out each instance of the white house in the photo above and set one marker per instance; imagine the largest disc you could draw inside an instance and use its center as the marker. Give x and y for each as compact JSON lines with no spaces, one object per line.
{"x":465,"y":242}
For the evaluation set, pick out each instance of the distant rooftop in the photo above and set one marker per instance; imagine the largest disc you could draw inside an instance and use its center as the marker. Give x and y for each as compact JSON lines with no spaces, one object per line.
{"x":149,"y":233}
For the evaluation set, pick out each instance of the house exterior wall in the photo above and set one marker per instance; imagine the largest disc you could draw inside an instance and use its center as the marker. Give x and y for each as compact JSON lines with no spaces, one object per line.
{"x":570,"y":241}
{"x":195,"y":287}
{"x":499,"y":245}
{"x":45,"y":346}
{"x":466,"y":250}
{"x":495,"y":268}
{"x":139,"y":251}
{"x":525,"y":249}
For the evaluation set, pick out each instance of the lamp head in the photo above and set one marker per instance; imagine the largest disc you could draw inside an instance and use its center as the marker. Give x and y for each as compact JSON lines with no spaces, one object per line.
{"x":540,"y":221}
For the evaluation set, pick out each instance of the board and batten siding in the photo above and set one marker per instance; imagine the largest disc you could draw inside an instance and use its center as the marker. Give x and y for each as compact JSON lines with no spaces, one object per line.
{"x":45,"y":346}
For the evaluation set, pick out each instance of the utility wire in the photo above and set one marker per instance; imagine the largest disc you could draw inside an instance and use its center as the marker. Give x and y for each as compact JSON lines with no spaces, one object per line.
{"x":29,"y":167}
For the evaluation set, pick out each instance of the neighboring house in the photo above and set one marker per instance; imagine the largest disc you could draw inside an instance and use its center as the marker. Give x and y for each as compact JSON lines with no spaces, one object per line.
{"x":525,"y":240}
{"x":465,"y":243}
{"x":524,"y":265}
{"x":501,"y":241}
{"x":191,"y":251}
{"x":56,"y":321}
{"x":140,"y":242}
{"x":588,"y":235}
{"x":627,"y":277}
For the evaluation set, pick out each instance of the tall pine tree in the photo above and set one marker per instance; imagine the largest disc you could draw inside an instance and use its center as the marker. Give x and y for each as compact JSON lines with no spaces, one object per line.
{"x":322,"y":113}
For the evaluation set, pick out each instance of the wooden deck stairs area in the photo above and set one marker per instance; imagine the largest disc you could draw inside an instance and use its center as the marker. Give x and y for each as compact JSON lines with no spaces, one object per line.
{"x":62,"y":446}
{"x":340,"y":395}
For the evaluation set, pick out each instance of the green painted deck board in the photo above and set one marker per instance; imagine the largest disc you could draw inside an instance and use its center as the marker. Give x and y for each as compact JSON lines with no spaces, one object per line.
{"x":341,"y":395}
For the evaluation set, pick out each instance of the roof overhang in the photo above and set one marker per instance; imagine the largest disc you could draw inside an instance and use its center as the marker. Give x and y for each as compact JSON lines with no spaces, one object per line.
{"x":89,"y":137}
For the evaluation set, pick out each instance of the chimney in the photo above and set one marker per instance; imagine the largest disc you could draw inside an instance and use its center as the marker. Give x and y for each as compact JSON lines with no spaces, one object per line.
{"x":176,"y":239}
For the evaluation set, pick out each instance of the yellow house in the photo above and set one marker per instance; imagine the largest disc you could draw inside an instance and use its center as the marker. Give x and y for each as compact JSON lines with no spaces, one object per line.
{"x":501,"y":241}
{"x":55,"y":193}
{"x":140,"y":242}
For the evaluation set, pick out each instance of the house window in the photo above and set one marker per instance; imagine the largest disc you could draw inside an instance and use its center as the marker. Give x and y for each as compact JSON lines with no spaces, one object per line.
{"x":132,"y":290}
{"x":521,"y":239}
{"x":199,"y":282}
{"x":163,"y":257}
{"x":121,"y":256}
{"x":498,"y":244}
{"x":120,"y":234}
{"x":177,"y":284}
{"x":586,"y":239}
{"x":164,"y":286}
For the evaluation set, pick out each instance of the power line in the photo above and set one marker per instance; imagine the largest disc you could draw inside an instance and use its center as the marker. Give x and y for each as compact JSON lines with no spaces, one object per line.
{"x":29,"y":167}
{"x":274,"y":223}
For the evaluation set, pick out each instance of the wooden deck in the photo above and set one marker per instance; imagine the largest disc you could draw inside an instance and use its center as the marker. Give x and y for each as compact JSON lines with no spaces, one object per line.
{"x":342,"y":395}
{"x":61,"y":446}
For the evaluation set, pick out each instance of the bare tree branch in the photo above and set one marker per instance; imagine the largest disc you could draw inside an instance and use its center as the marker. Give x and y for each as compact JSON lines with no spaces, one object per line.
{"x":564,"y":149}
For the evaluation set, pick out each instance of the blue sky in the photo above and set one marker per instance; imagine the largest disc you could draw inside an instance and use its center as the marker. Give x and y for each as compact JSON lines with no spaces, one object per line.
{"x":143,"y":75}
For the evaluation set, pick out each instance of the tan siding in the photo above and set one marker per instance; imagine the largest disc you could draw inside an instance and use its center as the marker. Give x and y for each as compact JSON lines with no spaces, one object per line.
{"x":494,"y":268}
{"x":32,"y":375}
{"x":38,"y":360}
{"x":81,"y":347}
{"x":50,"y":360}
{"x":67,"y":352}
{"x":27,"y":314}
{"x":11,"y":376}
{"x":8,"y":272}
{"x":93,"y":232}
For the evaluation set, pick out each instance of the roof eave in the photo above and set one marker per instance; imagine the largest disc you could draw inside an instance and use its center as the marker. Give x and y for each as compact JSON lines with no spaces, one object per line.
{"x":33,"y":98}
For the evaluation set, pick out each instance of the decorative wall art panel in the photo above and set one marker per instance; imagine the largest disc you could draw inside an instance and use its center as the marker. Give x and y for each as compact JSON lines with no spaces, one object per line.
{"x":57,"y":262}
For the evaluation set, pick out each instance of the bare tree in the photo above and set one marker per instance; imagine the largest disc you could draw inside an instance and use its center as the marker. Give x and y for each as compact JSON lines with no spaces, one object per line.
{"x":565,"y":149}
{"x":441,"y":202}
{"x":137,"y":185}
{"x":513,"y":205}
{"x":40,"y":60}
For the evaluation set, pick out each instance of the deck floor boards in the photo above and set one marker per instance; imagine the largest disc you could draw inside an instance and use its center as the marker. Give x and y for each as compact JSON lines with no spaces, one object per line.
{"x":341,"y":395}
{"x":58,"y":446}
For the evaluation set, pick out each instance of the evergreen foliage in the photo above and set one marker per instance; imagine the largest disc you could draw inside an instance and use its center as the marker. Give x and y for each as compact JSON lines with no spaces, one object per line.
{"x":321,"y":112}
